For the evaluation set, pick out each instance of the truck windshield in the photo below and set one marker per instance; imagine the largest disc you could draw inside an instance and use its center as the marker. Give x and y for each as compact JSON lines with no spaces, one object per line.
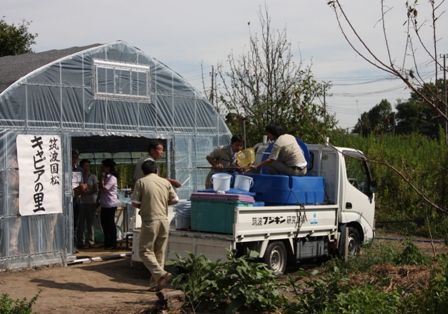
{"x":357,"y":173}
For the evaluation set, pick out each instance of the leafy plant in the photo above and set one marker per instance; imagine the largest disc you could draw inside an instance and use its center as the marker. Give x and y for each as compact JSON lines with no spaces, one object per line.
{"x":251,"y":284}
{"x":232,"y":285}
{"x":196,"y":277}
{"x":333,"y":293}
{"x":372,"y":254}
{"x":411,"y":255}
{"x":314,"y":294}
{"x":366,"y":299}
{"x":10,"y":306}
{"x":433,"y":298}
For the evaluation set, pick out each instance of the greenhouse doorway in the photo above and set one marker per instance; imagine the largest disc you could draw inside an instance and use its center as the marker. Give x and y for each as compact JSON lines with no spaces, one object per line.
{"x":125,"y":151}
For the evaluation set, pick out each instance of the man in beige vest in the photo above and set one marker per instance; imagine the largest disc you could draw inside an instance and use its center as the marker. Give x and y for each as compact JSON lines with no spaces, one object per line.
{"x":286,"y":156}
{"x":153,"y":195}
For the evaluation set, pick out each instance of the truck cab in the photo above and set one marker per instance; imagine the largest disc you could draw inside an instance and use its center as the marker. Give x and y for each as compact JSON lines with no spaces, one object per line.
{"x":349,"y":184}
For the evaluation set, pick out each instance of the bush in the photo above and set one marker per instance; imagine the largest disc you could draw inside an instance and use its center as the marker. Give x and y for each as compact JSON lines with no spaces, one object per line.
{"x":10,"y":306}
{"x":422,"y":161}
{"x":236,"y":284}
{"x":433,"y":299}
{"x":372,"y":254}
{"x":411,"y":255}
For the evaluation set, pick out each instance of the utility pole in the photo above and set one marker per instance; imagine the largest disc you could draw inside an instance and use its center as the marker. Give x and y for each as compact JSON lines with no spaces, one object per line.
{"x":444,"y":96}
{"x":325,"y":85}
{"x":212,"y":91}
{"x":325,"y":103}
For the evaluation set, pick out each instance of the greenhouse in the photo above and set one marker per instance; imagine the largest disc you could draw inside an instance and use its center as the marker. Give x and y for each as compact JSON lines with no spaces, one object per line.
{"x":106,"y":101}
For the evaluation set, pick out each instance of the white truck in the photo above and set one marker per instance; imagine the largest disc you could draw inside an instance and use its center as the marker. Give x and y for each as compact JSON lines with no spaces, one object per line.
{"x":279,"y":234}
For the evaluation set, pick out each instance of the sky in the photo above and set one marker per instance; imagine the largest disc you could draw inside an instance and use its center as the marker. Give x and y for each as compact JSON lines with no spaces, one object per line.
{"x":191,"y":36}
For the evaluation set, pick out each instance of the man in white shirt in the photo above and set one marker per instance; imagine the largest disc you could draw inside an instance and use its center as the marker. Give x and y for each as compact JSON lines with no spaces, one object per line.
{"x":286,"y":156}
{"x":155,"y":150}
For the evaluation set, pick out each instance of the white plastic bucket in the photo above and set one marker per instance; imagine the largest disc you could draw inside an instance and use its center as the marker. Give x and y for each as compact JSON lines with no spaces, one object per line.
{"x":221,"y":181}
{"x":136,"y":220}
{"x":182,"y":222}
{"x":183,"y":215}
{"x":243,"y":182}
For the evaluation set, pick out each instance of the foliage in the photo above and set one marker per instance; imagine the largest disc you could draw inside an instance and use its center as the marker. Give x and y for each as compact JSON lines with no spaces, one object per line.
{"x":375,"y":253}
{"x":434,"y":299}
{"x":15,"y":40}
{"x":314,"y":294}
{"x":235,"y":284}
{"x":422,"y":165}
{"x":378,"y":120}
{"x":414,"y":115}
{"x":240,"y":284}
{"x":366,"y":299}
{"x":411,"y":255}
{"x":10,"y":306}
{"x":333,"y":294}
{"x":265,"y":85}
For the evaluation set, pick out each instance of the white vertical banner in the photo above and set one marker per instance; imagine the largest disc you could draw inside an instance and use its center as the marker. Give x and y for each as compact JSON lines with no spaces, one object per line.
{"x":40,"y":174}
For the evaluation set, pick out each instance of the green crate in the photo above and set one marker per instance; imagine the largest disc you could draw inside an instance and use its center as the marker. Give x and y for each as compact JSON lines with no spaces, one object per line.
{"x":214,"y":216}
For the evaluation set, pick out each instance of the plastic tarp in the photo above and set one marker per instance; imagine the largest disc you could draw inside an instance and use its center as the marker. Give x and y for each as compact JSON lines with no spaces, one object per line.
{"x":111,"y":91}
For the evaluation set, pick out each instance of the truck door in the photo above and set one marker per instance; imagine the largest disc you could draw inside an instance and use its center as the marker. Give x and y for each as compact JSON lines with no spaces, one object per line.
{"x":359,"y":198}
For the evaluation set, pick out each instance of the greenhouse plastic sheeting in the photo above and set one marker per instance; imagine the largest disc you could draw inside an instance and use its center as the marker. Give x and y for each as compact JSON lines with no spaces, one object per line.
{"x":111,"y":90}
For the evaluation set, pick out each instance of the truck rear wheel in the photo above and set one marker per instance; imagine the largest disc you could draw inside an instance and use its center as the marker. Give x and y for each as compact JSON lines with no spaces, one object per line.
{"x":275,"y":257}
{"x":354,"y":241}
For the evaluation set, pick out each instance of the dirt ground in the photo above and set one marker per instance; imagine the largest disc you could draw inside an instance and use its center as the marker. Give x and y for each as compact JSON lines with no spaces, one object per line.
{"x":108,"y":286}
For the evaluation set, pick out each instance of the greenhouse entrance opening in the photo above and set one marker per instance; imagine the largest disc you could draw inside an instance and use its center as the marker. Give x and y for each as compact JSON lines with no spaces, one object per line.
{"x":125,"y":151}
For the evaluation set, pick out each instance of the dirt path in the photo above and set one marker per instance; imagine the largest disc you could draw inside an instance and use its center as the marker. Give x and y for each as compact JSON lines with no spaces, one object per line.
{"x":111,"y":286}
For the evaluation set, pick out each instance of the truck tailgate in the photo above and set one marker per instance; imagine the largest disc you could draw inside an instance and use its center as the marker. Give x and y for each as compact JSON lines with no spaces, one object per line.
{"x":212,"y":245}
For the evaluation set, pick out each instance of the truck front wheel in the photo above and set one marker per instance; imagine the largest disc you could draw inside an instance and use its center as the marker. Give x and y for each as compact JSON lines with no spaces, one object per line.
{"x":354,"y":241}
{"x":275,"y":257}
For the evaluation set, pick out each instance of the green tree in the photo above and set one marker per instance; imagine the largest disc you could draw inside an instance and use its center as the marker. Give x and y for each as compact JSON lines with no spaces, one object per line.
{"x":265,"y":85}
{"x":15,"y":40}
{"x":414,"y":115}
{"x":377,"y":120}
{"x":363,"y":126}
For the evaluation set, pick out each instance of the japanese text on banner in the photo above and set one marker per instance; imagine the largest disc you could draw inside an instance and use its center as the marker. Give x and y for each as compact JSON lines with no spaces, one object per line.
{"x":40,"y":173}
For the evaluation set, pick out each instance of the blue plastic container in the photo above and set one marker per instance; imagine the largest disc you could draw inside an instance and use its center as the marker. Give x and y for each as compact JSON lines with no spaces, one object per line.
{"x":271,"y":188}
{"x":308,"y":190}
{"x":288,"y":190}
